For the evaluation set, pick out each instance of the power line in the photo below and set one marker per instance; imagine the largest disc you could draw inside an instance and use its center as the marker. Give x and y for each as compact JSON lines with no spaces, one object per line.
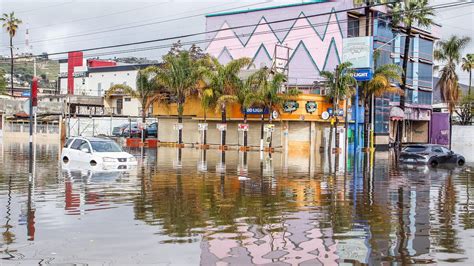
{"x":230,"y":28}
{"x":113,"y":28}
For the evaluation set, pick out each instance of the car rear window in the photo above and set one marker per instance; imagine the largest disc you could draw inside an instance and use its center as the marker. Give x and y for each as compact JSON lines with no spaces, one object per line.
{"x":415,"y":149}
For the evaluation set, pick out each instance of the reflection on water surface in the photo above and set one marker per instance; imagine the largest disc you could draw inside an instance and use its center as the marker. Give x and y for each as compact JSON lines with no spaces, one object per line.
{"x":189,"y":207}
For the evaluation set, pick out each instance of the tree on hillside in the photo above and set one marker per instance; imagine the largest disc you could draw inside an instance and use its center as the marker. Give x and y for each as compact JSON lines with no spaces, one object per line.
{"x":406,"y":15}
{"x":340,"y":85}
{"x":10,"y":23}
{"x":3,"y":82}
{"x":225,"y":83}
{"x":465,"y":110}
{"x":448,"y":52}
{"x":148,"y":90}
{"x":468,"y":65}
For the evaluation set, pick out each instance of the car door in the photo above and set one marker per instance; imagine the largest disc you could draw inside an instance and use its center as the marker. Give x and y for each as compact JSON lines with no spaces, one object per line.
{"x":440,"y":155}
{"x":450,"y":156}
{"x":84,"y":156}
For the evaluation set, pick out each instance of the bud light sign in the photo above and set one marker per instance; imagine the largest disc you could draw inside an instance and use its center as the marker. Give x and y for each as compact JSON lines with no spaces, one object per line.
{"x":362,"y":74}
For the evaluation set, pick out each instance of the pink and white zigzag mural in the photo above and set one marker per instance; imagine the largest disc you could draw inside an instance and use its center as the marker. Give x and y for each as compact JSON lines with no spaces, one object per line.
{"x":311,"y":50}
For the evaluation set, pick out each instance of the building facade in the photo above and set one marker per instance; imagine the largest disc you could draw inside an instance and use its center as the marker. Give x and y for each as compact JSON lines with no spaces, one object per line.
{"x":93,"y":77}
{"x":305,"y":39}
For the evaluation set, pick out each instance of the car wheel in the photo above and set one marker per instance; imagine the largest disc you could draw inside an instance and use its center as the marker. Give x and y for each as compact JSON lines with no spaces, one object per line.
{"x":433,"y":162}
{"x":461,"y":162}
{"x":93,"y":163}
{"x":65,"y":159}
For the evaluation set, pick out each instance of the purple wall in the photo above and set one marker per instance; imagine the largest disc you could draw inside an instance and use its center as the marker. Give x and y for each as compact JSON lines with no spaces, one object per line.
{"x":439,"y":133}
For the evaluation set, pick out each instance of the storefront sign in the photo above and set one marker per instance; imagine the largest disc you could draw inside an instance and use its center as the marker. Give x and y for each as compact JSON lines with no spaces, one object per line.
{"x":340,"y":112}
{"x":255,"y":111}
{"x":362,"y":74}
{"x":290,"y":106}
{"x":325,"y":115}
{"x":243,"y":127}
{"x":269,"y":128}
{"x":358,"y":51}
{"x":311,"y":107}
{"x":202,"y":126}
{"x":221,"y":127}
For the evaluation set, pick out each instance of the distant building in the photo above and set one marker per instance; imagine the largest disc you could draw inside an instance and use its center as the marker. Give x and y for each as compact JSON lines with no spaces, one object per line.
{"x":92,"y":78}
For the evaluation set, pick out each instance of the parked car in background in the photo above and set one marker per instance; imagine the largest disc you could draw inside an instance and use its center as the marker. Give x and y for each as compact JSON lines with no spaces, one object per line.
{"x":430,"y":154}
{"x":118,"y":131}
{"x":152,"y":130}
{"x":99,"y":153}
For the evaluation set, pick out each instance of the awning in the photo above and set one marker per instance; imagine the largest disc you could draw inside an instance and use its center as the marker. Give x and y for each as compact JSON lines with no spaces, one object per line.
{"x":396,"y":113}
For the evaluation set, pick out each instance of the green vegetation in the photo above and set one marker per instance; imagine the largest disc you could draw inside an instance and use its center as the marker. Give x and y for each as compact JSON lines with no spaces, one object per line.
{"x":10,"y":23}
{"x":468,"y":65}
{"x":46,"y":69}
{"x":340,"y":85}
{"x":3,"y":82}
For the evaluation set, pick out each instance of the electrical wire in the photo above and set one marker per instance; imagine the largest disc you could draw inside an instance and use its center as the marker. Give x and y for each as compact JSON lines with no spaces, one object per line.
{"x":230,"y":28}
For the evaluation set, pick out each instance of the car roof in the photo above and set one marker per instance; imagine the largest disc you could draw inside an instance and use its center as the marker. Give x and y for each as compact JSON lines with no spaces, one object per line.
{"x":92,"y":138}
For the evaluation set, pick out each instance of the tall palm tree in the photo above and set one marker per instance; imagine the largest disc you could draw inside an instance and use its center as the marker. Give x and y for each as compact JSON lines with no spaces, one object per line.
{"x":340,"y":85}
{"x":147,"y":91}
{"x":267,"y":86}
{"x":181,"y":75}
{"x":225,"y":83}
{"x":406,"y":14}
{"x":468,"y":65}
{"x":379,"y":85}
{"x":448,"y":52}
{"x":246,"y":97}
{"x":10,"y":23}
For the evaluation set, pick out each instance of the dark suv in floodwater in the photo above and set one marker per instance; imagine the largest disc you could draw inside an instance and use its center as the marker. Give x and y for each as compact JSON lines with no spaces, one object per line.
{"x":430,"y":154}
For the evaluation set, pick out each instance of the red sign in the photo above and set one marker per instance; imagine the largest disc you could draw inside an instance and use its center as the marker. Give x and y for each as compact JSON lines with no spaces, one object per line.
{"x":243,"y":127}
{"x":34,"y":92}
{"x":74,"y":59}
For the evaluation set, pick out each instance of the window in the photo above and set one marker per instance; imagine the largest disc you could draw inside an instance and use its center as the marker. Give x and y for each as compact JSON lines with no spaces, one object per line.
{"x":426,"y":49}
{"x":124,"y":83}
{"x":352,"y":27}
{"x":111,"y":84}
{"x":85,"y":145}
{"x":425,"y":74}
{"x":414,"y":149}
{"x":68,"y":142}
{"x":99,"y":88}
{"x":105,"y":146}
{"x":437,"y":149}
{"x":75,"y":145}
{"x":445,"y":150}
{"x":128,"y":99}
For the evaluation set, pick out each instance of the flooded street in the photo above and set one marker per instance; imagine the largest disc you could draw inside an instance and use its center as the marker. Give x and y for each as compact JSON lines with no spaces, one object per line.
{"x":184,"y":207}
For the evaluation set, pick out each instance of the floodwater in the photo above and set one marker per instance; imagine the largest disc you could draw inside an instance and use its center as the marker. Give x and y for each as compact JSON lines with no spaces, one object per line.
{"x":183,"y":207}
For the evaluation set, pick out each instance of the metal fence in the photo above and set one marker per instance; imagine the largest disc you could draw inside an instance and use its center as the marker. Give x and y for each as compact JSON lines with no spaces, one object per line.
{"x":98,"y":126}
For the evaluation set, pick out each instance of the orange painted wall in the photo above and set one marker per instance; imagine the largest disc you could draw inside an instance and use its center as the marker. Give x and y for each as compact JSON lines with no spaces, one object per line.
{"x":192,"y":107}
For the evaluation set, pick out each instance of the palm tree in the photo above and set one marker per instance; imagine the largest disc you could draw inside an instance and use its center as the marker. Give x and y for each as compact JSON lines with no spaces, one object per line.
{"x":341,"y":86}
{"x":379,"y":85}
{"x":449,"y":52}
{"x":246,"y":97}
{"x":468,"y":65}
{"x":406,"y":14}
{"x":11,"y":23}
{"x":267,"y":86}
{"x":180,"y":74}
{"x":225,"y":83}
{"x":147,"y":91}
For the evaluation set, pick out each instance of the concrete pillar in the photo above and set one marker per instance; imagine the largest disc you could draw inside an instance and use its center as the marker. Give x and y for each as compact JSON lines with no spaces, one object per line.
{"x":312,"y":150}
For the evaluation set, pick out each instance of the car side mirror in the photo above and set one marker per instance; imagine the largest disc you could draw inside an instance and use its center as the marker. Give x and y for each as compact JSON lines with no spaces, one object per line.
{"x":86,"y":150}
{"x":451,"y":152}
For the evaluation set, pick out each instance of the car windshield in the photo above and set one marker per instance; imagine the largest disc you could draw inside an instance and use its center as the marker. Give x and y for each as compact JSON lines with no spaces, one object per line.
{"x":105,"y":146}
{"x":414,"y":149}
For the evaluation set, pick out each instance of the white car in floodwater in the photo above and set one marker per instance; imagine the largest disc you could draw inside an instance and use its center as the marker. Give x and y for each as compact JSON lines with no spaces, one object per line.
{"x":97,"y":153}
